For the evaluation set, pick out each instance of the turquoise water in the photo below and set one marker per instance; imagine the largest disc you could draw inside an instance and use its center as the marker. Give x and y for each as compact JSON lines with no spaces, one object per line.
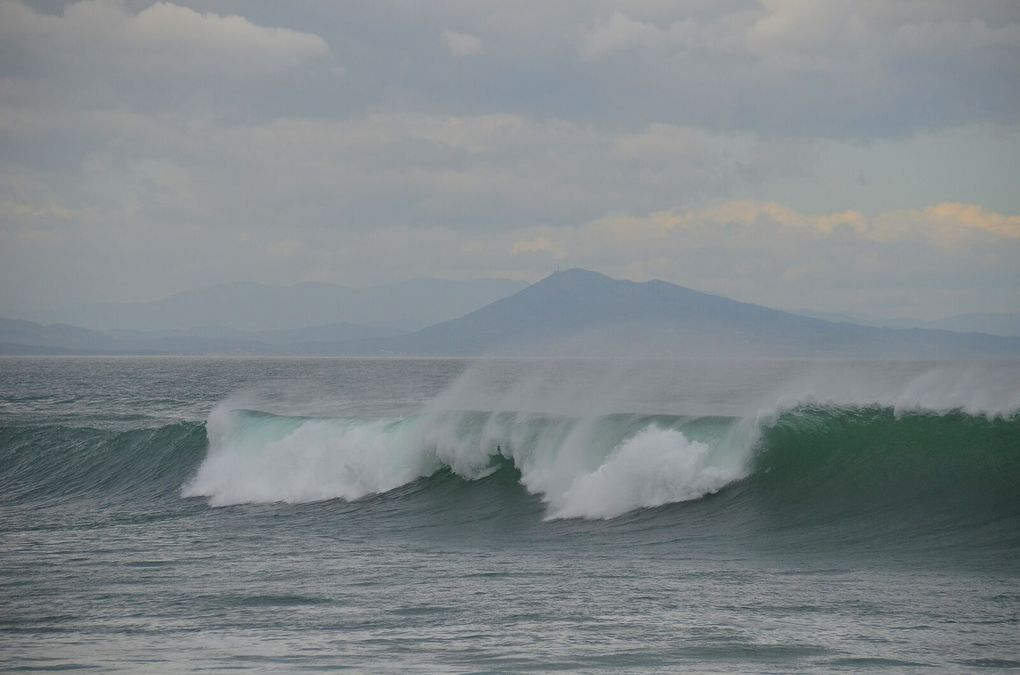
{"x":312,"y":514}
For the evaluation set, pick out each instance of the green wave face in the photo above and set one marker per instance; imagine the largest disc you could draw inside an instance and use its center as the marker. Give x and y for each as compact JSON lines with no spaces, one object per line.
{"x":909,"y":473}
{"x":53,"y":462}
{"x":833,"y":476}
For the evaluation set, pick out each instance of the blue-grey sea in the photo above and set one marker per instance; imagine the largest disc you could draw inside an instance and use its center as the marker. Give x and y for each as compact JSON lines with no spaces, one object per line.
{"x":384,"y":515}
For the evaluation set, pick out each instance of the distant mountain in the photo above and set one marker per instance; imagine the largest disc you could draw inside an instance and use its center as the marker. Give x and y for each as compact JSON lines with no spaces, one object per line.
{"x":407,"y":305}
{"x":990,"y":323}
{"x":577,"y":312}
{"x":840,"y":317}
{"x":994,"y":324}
{"x":25,"y":337}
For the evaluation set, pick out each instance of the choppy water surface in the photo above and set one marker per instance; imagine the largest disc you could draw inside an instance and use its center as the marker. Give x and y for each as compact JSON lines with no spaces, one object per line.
{"x":303,"y":514}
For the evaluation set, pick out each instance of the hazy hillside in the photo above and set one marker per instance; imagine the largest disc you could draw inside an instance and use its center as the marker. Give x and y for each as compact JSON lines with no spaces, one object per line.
{"x":577,"y":312}
{"x":25,"y":337}
{"x":992,"y":324}
{"x":571,"y":313}
{"x":407,"y":305}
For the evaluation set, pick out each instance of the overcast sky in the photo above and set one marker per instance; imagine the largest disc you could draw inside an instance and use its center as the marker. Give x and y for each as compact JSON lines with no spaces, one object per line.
{"x":846,"y":156}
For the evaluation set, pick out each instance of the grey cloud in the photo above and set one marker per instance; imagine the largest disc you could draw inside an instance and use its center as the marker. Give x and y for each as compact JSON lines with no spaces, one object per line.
{"x":185,"y":143}
{"x":831,"y":69}
{"x":161,"y":37}
{"x":907,"y":262}
{"x":461,"y":44}
{"x":480,"y":172}
{"x":841,"y":69}
{"x":166,"y":59}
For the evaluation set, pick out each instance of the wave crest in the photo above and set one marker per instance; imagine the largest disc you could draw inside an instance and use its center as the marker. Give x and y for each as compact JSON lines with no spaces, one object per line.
{"x":655,"y":467}
{"x":590,"y":468}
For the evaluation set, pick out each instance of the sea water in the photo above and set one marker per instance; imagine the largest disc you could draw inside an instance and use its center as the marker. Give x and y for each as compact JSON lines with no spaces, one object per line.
{"x":169,"y":514}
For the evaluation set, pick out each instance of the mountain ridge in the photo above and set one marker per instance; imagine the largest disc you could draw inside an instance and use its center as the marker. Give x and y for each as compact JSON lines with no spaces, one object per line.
{"x":252,"y":306}
{"x":990,"y":323}
{"x":578,"y":311}
{"x":575,"y":312}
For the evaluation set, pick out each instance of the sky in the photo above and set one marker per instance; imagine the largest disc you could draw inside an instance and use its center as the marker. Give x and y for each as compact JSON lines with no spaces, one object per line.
{"x":859,"y":157}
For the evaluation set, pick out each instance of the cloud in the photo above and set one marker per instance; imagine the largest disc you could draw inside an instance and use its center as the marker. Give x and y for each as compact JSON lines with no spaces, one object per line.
{"x":718,"y":143}
{"x":27,"y":211}
{"x":537,"y":245}
{"x":665,"y":142}
{"x":834,"y":69}
{"x":921,"y":262}
{"x":951,"y":221}
{"x":39,"y":237}
{"x":941,"y":223}
{"x":825,"y":68}
{"x":807,"y":27}
{"x":805,"y":34}
{"x":911,"y":262}
{"x":461,"y":44}
{"x":166,"y":58}
{"x":619,"y":32}
{"x":480,"y":172}
{"x":163,"y":36}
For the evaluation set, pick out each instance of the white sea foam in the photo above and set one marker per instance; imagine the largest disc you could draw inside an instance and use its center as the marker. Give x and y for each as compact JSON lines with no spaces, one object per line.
{"x":560,"y":428}
{"x":655,"y":467}
{"x":254,"y":459}
{"x":598,"y":467}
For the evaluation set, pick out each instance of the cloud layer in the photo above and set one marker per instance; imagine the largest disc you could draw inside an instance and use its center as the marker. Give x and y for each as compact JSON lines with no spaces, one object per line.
{"x":830,"y":155}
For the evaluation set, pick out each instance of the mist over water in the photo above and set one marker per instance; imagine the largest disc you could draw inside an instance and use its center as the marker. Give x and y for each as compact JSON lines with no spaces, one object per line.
{"x":812,"y":515}
{"x":592,"y":439}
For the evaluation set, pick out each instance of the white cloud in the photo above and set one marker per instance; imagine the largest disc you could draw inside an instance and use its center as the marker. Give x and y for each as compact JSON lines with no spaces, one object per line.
{"x":944,"y":223}
{"x":297,"y":140}
{"x":98,"y":39}
{"x":800,"y":32}
{"x":913,"y":262}
{"x":461,"y":44}
{"x":618,"y":33}
{"x":212,"y":37}
{"x":800,"y":67}
{"x":540,"y":245}
{"x":804,"y":25}
{"x":470,"y":172}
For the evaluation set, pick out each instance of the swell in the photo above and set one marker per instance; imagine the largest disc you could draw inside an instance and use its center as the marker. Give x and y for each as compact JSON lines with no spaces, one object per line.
{"x":53,"y":463}
{"x":874,"y":456}
{"x":837,"y":472}
{"x":808,"y":466}
{"x":595,"y":467}
{"x":871,"y":469}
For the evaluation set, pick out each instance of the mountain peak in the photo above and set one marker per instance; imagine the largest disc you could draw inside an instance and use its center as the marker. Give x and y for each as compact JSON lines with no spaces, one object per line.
{"x":579,"y":312}
{"x":575,"y":277}
{"x":578,"y":273}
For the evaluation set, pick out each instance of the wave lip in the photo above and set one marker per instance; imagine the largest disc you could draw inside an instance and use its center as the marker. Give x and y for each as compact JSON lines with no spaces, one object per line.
{"x":834,"y":473}
{"x":882,"y":469}
{"x":655,"y":467}
{"x":598,"y":467}
{"x":50,"y":464}
{"x":255,"y":458}
{"x":808,"y":466}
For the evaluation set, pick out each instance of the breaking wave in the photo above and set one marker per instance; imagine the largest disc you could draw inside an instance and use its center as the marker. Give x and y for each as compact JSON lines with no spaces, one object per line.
{"x":821,"y":459}
{"x":590,"y":468}
{"x":866,"y":468}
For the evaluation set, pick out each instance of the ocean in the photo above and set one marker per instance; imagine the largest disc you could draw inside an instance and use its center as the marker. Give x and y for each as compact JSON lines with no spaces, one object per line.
{"x":383,"y":515}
